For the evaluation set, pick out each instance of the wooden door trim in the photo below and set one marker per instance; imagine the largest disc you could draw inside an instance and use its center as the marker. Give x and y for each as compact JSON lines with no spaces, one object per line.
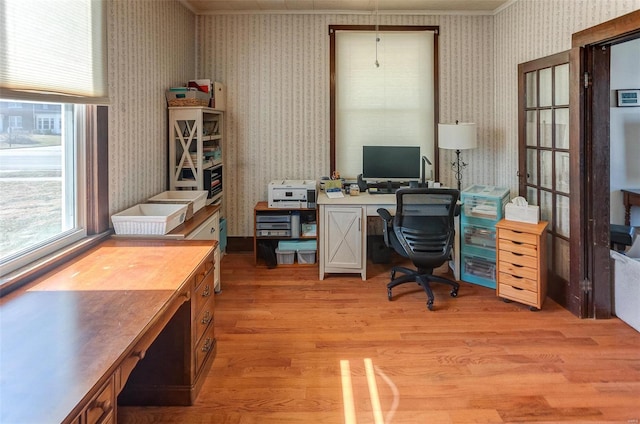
{"x":589,"y":137}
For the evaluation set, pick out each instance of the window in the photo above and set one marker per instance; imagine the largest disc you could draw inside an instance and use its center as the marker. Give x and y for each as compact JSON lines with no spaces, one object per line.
{"x":53,"y":188}
{"x":383,"y":91}
{"x":42,"y":186}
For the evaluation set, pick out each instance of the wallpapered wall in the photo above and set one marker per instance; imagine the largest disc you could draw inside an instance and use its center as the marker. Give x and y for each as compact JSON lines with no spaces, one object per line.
{"x":150,"y":47}
{"x":527,"y":30}
{"x":276,"y":68}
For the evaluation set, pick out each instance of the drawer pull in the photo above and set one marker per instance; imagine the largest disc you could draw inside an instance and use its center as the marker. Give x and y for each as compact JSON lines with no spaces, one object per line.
{"x":206,"y":319}
{"x":207,"y":291}
{"x":104,"y":405}
{"x":207,"y":345}
{"x":518,"y":266}
{"x":517,"y":254}
{"x":516,"y":288}
{"x":516,"y":242}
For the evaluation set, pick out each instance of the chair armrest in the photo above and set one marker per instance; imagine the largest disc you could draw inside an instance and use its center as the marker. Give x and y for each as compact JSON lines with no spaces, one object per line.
{"x":388,"y":223}
{"x":385,"y":214}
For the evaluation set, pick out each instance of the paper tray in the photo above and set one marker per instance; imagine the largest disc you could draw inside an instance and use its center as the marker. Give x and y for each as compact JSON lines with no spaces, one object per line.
{"x":149,"y":218}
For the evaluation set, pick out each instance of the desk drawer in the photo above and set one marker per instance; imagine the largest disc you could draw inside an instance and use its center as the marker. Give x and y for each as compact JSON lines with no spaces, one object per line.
{"x":203,"y":292}
{"x":204,"y":269}
{"x":204,"y":318}
{"x":518,"y":236}
{"x":517,"y":247}
{"x":518,"y":282}
{"x":518,"y":259}
{"x":517,"y":270}
{"x":372,"y":210}
{"x":519,"y":295}
{"x":205,"y":347}
{"x":101,"y":409}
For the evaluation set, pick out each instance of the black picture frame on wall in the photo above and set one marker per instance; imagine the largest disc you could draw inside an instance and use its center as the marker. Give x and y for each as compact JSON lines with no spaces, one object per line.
{"x":628,"y":98}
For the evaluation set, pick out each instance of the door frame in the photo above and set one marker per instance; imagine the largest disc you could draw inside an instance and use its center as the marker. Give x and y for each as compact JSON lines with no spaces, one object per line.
{"x":589,"y":142}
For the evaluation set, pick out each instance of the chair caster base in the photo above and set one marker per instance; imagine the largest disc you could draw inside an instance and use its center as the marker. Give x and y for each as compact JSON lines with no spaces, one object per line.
{"x":430,"y":305}
{"x":454,"y":293}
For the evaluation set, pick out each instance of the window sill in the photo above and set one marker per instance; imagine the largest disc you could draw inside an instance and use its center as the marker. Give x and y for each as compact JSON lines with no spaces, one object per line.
{"x":25,"y":275}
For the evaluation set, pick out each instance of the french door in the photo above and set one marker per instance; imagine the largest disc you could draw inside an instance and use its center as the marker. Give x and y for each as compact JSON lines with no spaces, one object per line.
{"x":544,"y":159}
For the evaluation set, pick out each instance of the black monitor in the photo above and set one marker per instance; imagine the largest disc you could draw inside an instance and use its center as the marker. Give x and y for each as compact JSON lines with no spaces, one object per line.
{"x":389,"y":163}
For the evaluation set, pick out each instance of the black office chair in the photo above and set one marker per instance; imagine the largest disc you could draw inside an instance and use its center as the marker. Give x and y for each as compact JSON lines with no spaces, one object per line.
{"x":422,"y":230}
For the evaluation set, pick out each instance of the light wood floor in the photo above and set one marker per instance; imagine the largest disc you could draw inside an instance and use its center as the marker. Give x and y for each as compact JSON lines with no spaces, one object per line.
{"x":292,"y":348}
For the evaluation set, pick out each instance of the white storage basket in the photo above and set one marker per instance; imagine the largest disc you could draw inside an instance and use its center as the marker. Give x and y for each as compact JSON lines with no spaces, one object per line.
{"x":198,"y":197}
{"x":149,"y":218}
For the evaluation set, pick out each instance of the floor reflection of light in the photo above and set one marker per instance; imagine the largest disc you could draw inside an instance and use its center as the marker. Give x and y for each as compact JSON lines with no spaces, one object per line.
{"x":373,"y":391}
{"x":347,"y":392}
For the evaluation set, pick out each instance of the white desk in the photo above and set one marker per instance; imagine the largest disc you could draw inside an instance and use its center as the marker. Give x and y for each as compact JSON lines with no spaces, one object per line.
{"x":343,"y":232}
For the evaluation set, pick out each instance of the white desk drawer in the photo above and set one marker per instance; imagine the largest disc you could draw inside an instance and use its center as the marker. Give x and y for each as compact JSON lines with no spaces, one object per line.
{"x":372,"y":210}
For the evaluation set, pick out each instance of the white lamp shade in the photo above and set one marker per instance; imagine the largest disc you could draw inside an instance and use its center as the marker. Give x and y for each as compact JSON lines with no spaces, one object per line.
{"x":457,"y":136}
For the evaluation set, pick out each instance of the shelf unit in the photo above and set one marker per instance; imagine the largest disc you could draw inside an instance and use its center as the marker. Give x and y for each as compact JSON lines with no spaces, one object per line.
{"x":196,"y":137}
{"x":279,"y":228}
{"x":521,"y":260}
{"x":482,"y":208}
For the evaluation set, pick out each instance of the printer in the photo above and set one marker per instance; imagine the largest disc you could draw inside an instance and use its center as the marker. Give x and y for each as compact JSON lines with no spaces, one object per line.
{"x":292,"y":194}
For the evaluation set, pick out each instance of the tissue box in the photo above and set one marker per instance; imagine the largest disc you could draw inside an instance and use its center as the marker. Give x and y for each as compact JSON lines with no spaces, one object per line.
{"x":528,"y":213}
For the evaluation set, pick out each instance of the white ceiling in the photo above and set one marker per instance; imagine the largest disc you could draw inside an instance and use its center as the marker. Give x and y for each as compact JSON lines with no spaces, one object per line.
{"x":353,"y":6}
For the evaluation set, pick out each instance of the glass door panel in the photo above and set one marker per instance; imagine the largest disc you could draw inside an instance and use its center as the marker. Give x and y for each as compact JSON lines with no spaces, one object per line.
{"x":545,"y":156}
{"x":562,"y":128}
{"x":532,"y":128}
{"x":546,"y":128}
{"x":545,"y":94}
{"x":561,"y":88}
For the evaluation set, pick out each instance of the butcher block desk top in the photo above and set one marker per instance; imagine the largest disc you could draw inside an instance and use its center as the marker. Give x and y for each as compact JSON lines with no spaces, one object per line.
{"x":65,"y":334}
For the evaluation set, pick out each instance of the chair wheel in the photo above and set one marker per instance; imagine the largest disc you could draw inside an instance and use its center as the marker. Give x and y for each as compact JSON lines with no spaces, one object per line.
{"x":389,"y":294}
{"x":430,"y":305}
{"x":454,"y":293}
{"x":533,"y":309}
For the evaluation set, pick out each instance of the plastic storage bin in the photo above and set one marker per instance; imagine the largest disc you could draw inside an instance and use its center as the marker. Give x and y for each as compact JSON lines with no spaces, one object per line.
{"x":484,"y":202}
{"x":285,"y":257}
{"x":479,"y":270}
{"x":298,"y":245}
{"x":306,"y":256}
{"x":479,"y":239}
{"x":149,"y":218}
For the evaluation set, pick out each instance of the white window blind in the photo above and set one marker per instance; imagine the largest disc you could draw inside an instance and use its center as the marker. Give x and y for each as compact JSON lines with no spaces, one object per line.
{"x":389,"y":105}
{"x":54,"y":48}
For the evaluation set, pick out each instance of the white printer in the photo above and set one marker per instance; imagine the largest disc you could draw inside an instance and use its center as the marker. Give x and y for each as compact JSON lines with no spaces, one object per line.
{"x":292,"y":194}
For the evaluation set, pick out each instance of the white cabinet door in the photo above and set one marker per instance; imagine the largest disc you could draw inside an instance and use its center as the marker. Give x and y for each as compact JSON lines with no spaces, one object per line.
{"x":342,"y":240}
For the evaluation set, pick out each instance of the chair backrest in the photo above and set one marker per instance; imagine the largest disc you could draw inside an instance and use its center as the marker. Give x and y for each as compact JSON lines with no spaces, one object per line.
{"x":424,"y":224}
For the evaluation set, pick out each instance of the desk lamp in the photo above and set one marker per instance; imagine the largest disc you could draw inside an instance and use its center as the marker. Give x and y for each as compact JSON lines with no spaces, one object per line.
{"x":458,"y":136}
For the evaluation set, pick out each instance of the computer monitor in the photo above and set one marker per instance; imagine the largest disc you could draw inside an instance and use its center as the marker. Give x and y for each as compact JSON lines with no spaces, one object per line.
{"x":391,"y":163}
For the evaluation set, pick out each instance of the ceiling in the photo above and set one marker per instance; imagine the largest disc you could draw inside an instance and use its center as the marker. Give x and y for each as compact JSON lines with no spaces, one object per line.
{"x":349,"y":6}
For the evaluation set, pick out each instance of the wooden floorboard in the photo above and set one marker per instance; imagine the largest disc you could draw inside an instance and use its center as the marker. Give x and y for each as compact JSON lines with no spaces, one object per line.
{"x":290,"y":347}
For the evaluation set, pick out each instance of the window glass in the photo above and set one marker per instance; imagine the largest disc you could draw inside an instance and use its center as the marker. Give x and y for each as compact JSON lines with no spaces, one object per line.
{"x":384,"y":93}
{"x":40,"y":180}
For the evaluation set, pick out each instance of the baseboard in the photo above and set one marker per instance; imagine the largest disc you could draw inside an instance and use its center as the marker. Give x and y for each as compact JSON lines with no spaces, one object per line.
{"x":239,"y":244}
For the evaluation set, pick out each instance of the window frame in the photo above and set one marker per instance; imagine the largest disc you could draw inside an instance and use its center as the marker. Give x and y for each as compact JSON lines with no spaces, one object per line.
{"x":332,"y":83}
{"x":95,"y":202}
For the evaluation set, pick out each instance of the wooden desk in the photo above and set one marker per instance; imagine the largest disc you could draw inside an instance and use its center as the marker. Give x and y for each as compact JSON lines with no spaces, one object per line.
{"x":70,"y":340}
{"x":630,"y":198}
